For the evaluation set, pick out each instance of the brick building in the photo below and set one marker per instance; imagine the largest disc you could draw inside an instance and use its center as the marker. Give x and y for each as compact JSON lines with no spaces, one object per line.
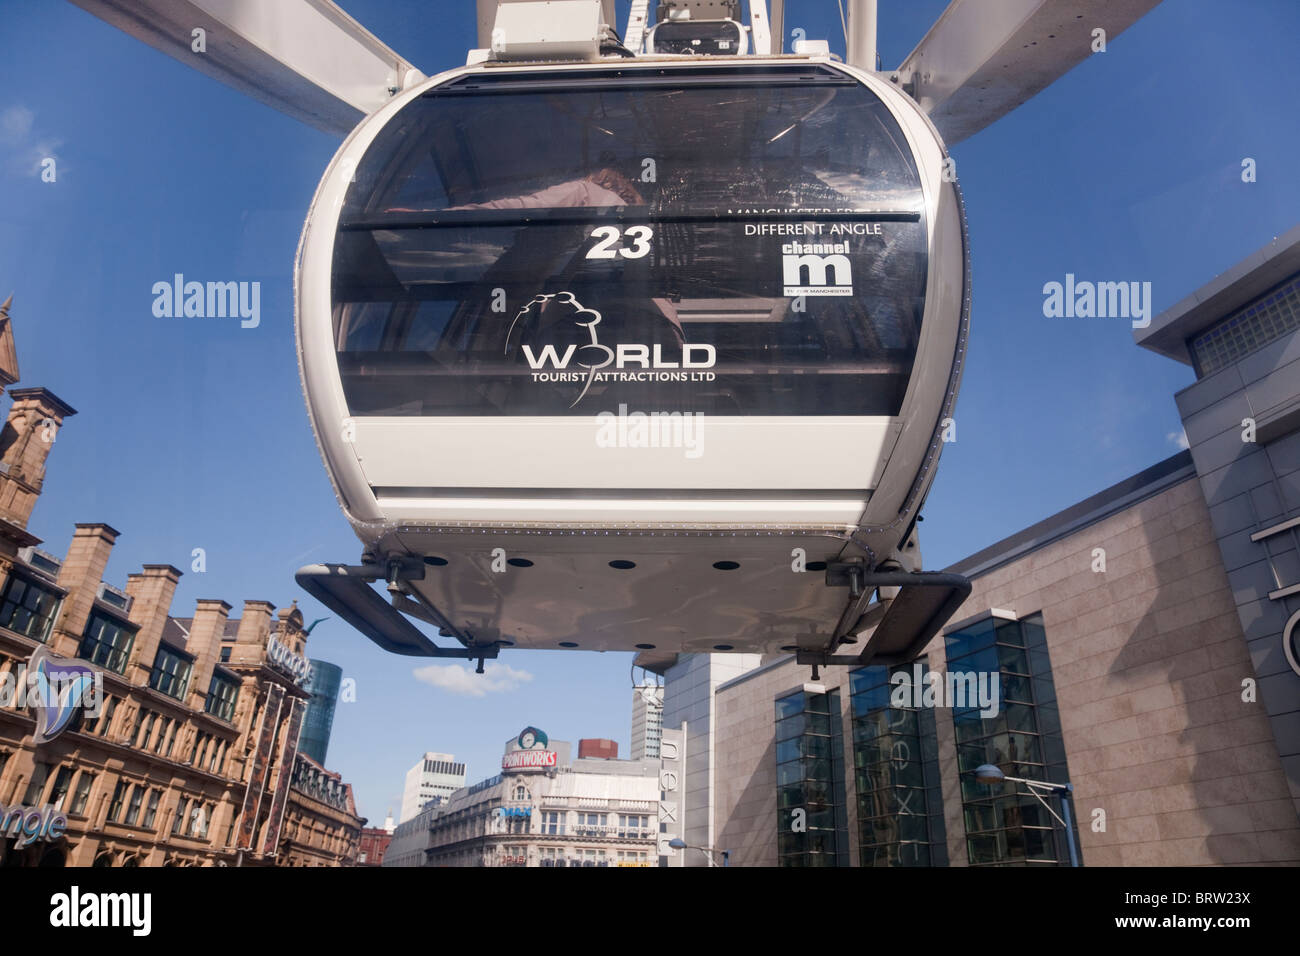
{"x":374,"y":844}
{"x":184,"y":752}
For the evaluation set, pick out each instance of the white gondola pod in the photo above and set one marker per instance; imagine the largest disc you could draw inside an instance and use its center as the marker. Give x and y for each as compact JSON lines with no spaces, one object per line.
{"x":452,"y":434}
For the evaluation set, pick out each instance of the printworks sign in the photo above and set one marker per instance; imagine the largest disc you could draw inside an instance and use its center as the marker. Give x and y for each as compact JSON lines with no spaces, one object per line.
{"x":532,"y":753}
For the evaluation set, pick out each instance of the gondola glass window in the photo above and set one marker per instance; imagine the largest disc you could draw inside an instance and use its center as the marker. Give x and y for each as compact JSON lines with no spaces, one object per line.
{"x":1005,"y":824}
{"x":741,"y":241}
{"x":811,"y":827}
{"x":896,"y":773}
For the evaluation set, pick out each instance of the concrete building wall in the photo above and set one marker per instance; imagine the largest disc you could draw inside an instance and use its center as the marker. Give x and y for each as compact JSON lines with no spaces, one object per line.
{"x":745,"y":803}
{"x":688,"y":698}
{"x":428,"y":779}
{"x":1148,"y":658}
{"x":1252,"y":486}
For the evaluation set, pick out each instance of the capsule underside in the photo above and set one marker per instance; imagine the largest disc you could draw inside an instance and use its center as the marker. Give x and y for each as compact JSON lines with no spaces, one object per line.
{"x":669,"y":316}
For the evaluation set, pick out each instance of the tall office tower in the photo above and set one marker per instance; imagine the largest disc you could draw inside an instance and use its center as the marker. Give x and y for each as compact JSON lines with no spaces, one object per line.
{"x":323,"y":685}
{"x":435,"y":776}
{"x":647,"y":720}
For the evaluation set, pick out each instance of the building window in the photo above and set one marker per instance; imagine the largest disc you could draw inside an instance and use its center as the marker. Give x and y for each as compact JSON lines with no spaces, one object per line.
{"x":181,"y":810}
{"x":61,"y":784}
{"x":82,"y":793}
{"x":104,"y":719}
{"x":1023,"y":738}
{"x":198,"y":824}
{"x":28,"y":608}
{"x":553,"y":823}
{"x":107,"y":642}
{"x":810,"y":778}
{"x":632,"y":825}
{"x":171,"y":672}
{"x":222,"y":693}
{"x":133,"y":808}
{"x":896,"y":771}
{"x":151,"y":810}
{"x":36,"y":786}
{"x":171,"y":739}
{"x":115,"y":805}
{"x":1260,"y":322}
{"x":148,"y":732}
{"x":225,"y":655}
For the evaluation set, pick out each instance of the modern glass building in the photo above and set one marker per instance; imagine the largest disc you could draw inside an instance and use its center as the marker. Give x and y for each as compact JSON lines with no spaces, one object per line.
{"x":1007,"y":823}
{"x":1144,"y":644}
{"x":896,"y":773}
{"x":323,"y":685}
{"x":810,"y":778}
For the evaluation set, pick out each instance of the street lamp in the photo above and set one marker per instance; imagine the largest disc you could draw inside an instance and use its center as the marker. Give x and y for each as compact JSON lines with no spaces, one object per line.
{"x":991,"y":774}
{"x":677,"y":843}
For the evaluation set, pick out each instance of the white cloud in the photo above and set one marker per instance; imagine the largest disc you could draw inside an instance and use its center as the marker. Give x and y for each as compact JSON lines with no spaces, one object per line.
{"x":16,"y":124}
{"x":1179,"y":438}
{"x":461,"y":680}
{"x":22,"y":148}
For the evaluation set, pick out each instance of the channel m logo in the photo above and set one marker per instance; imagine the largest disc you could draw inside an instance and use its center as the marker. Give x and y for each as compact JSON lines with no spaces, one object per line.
{"x":816,"y":269}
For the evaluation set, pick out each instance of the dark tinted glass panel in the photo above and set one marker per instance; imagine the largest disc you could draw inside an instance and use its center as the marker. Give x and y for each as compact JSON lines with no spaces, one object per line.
{"x":751,"y":246}
{"x":895,"y":749}
{"x":1003,"y":823}
{"x":787,"y":750}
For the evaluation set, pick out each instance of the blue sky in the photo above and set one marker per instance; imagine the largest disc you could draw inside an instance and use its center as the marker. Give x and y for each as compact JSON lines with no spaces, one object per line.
{"x":192,"y":432}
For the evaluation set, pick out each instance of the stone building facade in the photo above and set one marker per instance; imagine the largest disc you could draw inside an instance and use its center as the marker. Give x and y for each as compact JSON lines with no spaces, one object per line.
{"x":182,"y":750}
{"x":588,"y":812}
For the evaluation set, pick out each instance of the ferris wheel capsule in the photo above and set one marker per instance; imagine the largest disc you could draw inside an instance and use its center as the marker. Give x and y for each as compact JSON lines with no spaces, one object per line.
{"x":655,"y":355}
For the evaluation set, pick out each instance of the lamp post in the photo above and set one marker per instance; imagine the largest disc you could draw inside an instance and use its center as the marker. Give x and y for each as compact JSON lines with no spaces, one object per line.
{"x":991,"y":774}
{"x":679,"y":844}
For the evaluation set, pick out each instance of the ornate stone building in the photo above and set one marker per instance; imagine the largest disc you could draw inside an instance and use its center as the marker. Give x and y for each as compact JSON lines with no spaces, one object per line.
{"x":322,"y":827}
{"x":166,"y":741}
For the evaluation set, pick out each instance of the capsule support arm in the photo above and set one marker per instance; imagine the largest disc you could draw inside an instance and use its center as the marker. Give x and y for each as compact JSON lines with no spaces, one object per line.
{"x":345,"y":590}
{"x":926,"y":601}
